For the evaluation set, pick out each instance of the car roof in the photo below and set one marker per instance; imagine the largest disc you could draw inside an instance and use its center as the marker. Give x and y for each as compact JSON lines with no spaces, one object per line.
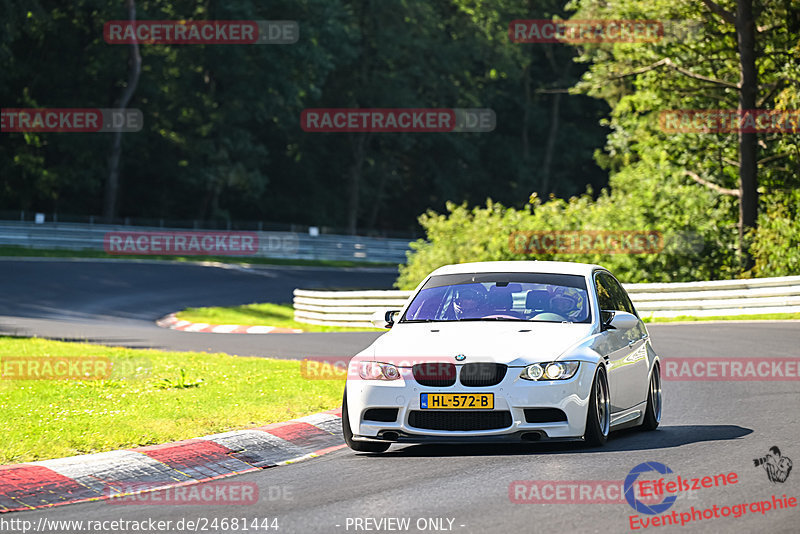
{"x":551,"y":267}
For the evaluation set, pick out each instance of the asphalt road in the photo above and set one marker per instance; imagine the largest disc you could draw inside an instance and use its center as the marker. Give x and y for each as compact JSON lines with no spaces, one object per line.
{"x":116,"y":302}
{"x":708,"y":428}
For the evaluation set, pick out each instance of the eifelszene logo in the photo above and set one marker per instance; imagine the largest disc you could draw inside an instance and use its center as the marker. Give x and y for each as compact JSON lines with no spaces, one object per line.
{"x":636,"y":504}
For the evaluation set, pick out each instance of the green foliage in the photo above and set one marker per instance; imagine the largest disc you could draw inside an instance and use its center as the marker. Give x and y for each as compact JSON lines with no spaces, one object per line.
{"x":776,"y":241}
{"x":695,"y":247}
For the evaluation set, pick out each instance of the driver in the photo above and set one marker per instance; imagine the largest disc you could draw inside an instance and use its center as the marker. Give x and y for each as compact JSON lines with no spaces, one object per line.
{"x":467,"y":302}
{"x":563,"y":305}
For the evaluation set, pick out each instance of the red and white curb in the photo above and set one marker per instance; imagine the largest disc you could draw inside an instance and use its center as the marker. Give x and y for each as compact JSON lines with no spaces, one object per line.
{"x":105,"y":475}
{"x":172,"y":322}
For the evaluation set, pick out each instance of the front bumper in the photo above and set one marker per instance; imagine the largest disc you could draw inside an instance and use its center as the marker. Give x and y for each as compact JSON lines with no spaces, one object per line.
{"x":513,"y":394}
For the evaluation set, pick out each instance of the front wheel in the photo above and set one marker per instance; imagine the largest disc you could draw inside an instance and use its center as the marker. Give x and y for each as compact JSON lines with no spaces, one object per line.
{"x":598,"y":416}
{"x":652,"y":413}
{"x":358,"y":446}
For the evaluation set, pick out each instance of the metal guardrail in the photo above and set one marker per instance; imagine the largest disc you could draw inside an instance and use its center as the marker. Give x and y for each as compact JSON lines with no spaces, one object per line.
{"x":698,"y":299}
{"x":282,"y":245}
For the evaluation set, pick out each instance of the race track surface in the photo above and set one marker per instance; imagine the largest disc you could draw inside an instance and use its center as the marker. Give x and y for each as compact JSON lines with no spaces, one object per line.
{"x":708,"y":427}
{"x":117,"y":302}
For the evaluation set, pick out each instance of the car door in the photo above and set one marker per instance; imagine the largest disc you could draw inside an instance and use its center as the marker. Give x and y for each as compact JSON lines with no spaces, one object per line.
{"x":630,"y":365}
{"x":612,"y":344}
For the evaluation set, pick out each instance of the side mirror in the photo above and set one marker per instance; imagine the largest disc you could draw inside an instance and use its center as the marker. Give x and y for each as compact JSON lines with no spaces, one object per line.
{"x":605,"y":319}
{"x":383,"y":318}
{"x":618,"y":320}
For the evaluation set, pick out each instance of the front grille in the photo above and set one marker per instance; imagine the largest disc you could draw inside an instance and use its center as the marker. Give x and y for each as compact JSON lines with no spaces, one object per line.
{"x":466,"y":420}
{"x":478,"y":375}
{"x":384,"y":415}
{"x":544,"y":415}
{"x":435,"y":374}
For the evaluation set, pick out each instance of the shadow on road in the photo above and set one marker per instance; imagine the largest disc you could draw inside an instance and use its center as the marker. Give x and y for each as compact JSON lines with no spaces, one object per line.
{"x":625,"y":440}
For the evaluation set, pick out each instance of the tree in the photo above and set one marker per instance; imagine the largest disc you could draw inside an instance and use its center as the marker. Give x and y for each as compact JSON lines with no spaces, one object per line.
{"x":134,"y":69}
{"x":752,"y":42}
{"x":744,"y":22}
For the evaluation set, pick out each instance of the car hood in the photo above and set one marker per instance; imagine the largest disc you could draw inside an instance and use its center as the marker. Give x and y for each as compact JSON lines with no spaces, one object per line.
{"x":511,"y":343}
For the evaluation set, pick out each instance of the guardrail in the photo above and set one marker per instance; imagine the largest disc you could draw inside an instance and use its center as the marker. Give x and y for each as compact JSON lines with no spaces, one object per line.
{"x":698,"y":299}
{"x":285,"y":245}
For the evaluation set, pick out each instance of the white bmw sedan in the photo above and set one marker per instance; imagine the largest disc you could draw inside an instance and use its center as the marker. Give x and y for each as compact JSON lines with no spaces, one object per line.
{"x":505,"y":351}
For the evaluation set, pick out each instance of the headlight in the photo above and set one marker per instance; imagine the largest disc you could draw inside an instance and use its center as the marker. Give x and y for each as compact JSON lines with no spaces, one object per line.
{"x":378,"y":371}
{"x":550,"y":371}
{"x":533,"y":372}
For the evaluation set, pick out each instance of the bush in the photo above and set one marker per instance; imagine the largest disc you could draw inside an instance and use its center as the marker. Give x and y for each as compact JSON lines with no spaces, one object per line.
{"x":697,"y":245}
{"x":776,"y":241}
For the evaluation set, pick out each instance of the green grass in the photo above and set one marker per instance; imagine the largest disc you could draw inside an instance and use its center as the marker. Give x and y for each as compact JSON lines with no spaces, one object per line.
{"x":762,"y":317}
{"x":151,"y":397}
{"x":260,"y":315}
{"x":15,"y":251}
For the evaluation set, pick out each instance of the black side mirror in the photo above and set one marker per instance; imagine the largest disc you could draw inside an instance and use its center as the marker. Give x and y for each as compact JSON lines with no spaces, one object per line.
{"x":606,"y":316}
{"x":383,"y":318}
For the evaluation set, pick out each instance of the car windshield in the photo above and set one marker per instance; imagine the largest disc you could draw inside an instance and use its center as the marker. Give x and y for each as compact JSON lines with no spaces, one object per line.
{"x":501,"y":297}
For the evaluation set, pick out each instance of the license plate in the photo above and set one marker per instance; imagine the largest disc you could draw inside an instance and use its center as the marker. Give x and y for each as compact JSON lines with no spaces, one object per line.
{"x":456,"y":401}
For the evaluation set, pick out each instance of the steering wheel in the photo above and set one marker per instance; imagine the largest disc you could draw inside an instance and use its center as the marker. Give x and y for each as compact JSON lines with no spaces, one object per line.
{"x":499,"y":316}
{"x":549,"y":316}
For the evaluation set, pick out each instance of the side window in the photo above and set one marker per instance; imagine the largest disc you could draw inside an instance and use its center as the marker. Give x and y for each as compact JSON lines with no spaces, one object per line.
{"x":626,"y":301}
{"x":621,"y":300}
{"x":605,"y":297}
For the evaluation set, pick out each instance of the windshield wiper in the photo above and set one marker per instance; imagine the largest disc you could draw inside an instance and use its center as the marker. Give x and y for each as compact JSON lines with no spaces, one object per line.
{"x":423,"y":321}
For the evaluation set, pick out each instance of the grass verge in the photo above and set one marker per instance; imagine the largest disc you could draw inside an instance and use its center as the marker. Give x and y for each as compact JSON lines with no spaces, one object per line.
{"x":762,"y":317}
{"x":150,"y":397}
{"x":260,"y":315}
{"x":22,"y":252}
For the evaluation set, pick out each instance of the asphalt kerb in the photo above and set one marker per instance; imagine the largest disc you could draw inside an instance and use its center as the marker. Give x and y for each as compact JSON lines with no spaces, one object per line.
{"x":107,"y":475}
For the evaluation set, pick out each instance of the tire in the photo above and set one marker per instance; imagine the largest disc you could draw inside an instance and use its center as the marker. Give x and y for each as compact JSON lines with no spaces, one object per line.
{"x":358,"y":446}
{"x":598,"y":416}
{"x":652,"y":412}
